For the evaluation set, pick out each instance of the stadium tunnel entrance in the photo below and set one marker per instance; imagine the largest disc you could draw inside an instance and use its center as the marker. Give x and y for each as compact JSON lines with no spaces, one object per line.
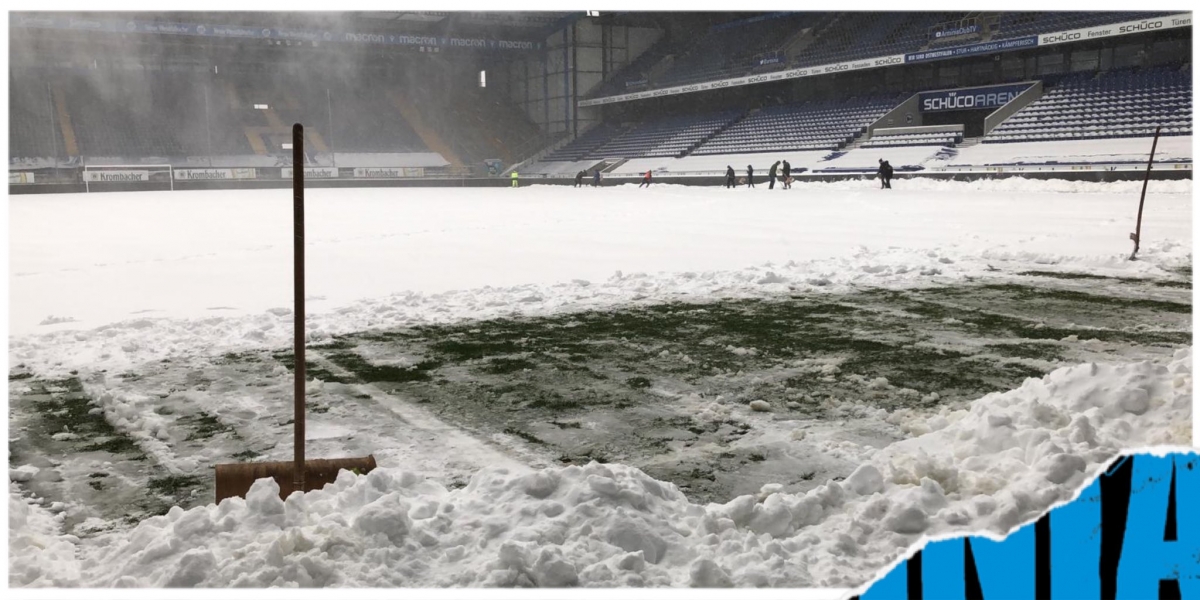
{"x":971,"y":120}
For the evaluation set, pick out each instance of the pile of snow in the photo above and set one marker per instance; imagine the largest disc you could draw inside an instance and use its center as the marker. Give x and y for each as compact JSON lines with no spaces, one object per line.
{"x":993,"y":465}
{"x":38,"y":554}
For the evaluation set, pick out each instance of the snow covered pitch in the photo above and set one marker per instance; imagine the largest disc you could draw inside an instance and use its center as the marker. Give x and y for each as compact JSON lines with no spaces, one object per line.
{"x":674,"y":386}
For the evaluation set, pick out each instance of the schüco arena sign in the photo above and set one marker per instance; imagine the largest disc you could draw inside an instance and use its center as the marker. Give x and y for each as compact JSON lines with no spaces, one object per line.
{"x":970,"y":98}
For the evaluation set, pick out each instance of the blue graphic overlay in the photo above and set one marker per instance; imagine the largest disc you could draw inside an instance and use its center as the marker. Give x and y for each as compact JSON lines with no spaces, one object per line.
{"x":1134,"y":533}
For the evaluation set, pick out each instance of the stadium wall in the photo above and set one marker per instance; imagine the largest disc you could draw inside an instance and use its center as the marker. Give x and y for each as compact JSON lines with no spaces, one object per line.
{"x":1093,"y":173}
{"x":550,"y":85}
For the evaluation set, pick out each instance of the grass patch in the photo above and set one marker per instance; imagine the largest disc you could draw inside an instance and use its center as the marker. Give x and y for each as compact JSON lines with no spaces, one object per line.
{"x":505,"y":366}
{"x":1048,"y":352}
{"x":1024,"y":292}
{"x":638,"y":383}
{"x":206,"y":426}
{"x":529,"y":437}
{"x":245,"y":456}
{"x":312,"y":371}
{"x":370,"y":373}
{"x":173,"y":485}
{"x":68,"y":409}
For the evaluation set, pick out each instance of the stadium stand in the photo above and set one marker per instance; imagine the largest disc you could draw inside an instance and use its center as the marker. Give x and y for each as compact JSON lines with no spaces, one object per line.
{"x":32,"y":129}
{"x":730,"y":48}
{"x":805,"y":126}
{"x":727,"y":50}
{"x":1117,"y":104}
{"x":586,"y":145}
{"x":1017,"y":24}
{"x":866,"y":35}
{"x":636,"y":75}
{"x":670,"y":136}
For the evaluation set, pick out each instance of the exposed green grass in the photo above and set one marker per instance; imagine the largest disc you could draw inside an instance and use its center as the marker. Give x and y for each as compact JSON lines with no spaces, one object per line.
{"x":245,"y":456}
{"x":173,"y":485}
{"x":70,"y":410}
{"x":204,"y":426}
{"x":370,"y":373}
{"x":529,"y":437}
{"x":638,"y":383}
{"x":505,"y":366}
{"x":1038,"y":351}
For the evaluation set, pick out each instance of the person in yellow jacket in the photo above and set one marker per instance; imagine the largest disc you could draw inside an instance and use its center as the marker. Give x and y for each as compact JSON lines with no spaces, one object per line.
{"x":514,"y":179}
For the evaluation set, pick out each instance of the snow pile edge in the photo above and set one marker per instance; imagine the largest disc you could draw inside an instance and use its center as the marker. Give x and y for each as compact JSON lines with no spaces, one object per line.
{"x":991,"y":466}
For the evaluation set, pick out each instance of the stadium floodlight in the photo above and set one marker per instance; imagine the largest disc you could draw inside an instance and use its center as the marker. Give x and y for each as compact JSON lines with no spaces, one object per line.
{"x":261,"y":106}
{"x":483,"y":79}
{"x":286,"y":145}
{"x":593,"y":13}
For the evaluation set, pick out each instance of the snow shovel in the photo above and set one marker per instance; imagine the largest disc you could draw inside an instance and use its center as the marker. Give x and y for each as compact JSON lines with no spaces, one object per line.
{"x":235,"y":479}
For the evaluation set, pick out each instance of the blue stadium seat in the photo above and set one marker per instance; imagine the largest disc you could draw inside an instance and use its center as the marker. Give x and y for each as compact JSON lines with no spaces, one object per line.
{"x":1126,"y":103}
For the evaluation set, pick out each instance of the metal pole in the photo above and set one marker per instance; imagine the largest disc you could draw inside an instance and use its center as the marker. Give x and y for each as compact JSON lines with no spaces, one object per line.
{"x":1136,"y":236}
{"x":298,"y":265}
{"x":329,"y":108}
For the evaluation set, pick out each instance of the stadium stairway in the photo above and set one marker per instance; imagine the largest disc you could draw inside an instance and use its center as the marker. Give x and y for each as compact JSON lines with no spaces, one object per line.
{"x":430,"y":137}
{"x":710,"y":136}
{"x":968,"y":142}
{"x":64,"y":122}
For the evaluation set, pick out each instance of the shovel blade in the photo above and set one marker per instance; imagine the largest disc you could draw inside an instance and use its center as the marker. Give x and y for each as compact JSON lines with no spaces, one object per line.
{"x":235,"y":479}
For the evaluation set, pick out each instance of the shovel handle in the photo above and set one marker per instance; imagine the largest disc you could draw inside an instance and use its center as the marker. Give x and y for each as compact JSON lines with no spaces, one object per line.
{"x":298,"y":265}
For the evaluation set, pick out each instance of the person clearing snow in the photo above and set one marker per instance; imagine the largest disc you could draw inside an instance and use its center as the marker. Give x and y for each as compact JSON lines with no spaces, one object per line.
{"x":514,"y":179}
{"x":645,"y":179}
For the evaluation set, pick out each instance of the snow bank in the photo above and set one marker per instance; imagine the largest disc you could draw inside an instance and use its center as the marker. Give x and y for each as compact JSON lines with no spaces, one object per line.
{"x":38,"y":554}
{"x":1001,"y":461}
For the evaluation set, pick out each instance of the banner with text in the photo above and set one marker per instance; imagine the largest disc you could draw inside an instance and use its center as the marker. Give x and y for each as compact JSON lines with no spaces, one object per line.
{"x":116,"y":175}
{"x":956,"y":31}
{"x":992,"y":96}
{"x":870,"y":63}
{"x":1028,"y":41}
{"x":314,"y":172}
{"x":1126,"y":28}
{"x":214,"y":174}
{"x":123,"y":26}
{"x":20,"y":177}
{"x":389,"y":172}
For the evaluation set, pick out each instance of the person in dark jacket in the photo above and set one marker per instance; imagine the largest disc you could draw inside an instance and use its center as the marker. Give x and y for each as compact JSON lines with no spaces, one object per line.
{"x":596,"y":178}
{"x":787,"y":175}
{"x":579,"y":178}
{"x":749,"y":175}
{"x":730,"y":177}
{"x":885,"y":174}
{"x":645,"y":179}
{"x":772,"y":174}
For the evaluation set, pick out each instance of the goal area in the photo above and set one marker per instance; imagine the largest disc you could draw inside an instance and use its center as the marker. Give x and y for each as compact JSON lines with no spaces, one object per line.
{"x":127,"y":177}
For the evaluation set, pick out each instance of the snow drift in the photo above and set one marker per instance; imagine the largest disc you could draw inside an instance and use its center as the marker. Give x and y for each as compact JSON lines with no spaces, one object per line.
{"x":1002,"y":460}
